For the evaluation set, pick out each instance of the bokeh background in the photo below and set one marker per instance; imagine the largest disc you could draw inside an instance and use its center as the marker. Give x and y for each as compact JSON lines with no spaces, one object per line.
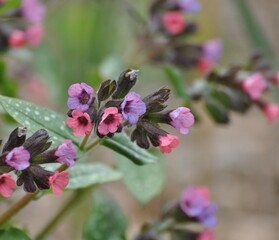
{"x":90,"y":40}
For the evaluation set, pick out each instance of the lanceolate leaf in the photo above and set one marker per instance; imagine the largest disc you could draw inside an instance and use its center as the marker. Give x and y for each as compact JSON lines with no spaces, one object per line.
{"x":13,"y":234}
{"x":120,"y":143}
{"x":84,"y":175}
{"x":106,"y":221}
{"x":144,"y":182}
{"x":35,"y":117}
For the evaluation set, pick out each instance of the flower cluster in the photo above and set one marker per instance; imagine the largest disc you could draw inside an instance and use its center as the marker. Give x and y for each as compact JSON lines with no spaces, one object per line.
{"x":24,"y":157}
{"x":170,"y":26}
{"x":196,"y":203}
{"x":248,"y":82}
{"x":26,"y":27}
{"x":195,"y":206}
{"x":114,"y":106}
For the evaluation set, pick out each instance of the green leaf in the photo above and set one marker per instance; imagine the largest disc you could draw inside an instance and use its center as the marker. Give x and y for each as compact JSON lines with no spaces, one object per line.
{"x":84,"y":175}
{"x":35,"y":117}
{"x":120,"y":143}
{"x":106,"y":221}
{"x":9,"y":5}
{"x":217,"y":110}
{"x":144,"y":182}
{"x":13,"y":234}
{"x":176,"y":78}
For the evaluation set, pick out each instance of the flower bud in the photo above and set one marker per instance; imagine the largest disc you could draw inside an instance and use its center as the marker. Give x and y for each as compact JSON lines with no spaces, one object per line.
{"x":106,"y":90}
{"x":155,"y":101}
{"x":16,"y":139}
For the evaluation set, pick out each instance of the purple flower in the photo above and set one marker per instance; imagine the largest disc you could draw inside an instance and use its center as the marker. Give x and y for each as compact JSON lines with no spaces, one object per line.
{"x":182,"y":119}
{"x":132,"y":107}
{"x":80,"y":96}
{"x":191,"y":6}
{"x":66,"y":153}
{"x":194,"y":200}
{"x":213,"y":50}
{"x":18,"y":158}
{"x":33,"y":10}
{"x":208,"y":215}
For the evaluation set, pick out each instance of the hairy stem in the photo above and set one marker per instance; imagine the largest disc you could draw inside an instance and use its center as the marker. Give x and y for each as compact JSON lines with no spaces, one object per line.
{"x":92,"y":144}
{"x":84,"y":141}
{"x":53,"y":222}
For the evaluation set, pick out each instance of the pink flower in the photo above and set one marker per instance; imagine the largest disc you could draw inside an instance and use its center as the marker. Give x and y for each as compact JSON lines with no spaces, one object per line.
{"x":58,"y":181}
{"x":7,"y":184}
{"x":271,"y":111}
{"x":276,"y":78}
{"x":206,"y":234}
{"x":17,"y":39}
{"x":34,"y":34}
{"x":182,"y":119}
{"x":174,"y":22}
{"x":110,"y":121}
{"x":18,"y":158}
{"x":204,"y":65}
{"x":66,"y":153}
{"x":254,"y":86}
{"x":168,"y":142}
{"x":80,"y":123}
{"x":33,"y":10}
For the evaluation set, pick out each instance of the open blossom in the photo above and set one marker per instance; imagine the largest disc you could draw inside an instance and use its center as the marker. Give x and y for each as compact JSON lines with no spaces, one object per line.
{"x":174,"y":22}
{"x":182,"y":119}
{"x":191,"y":6}
{"x":213,"y":50}
{"x":81,"y":96}
{"x":58,"y":181}
{"x":193,"y":200}
{"x":80,"y":123}
{"x":206,"y":234}
{"x":66,"y":153}
{"x":7,"y":184}
{"x":34,"y":34}
{"x":254,"y":86}
{"x":168,"y":142}
{"x":18,"y":158}
{"x":271,"y":111}
{"x":132,"y":107}
{"x":33,"y":10}
{"x":208,"y":215}
{"x":17,"y":39}
{"x":110,"y":121}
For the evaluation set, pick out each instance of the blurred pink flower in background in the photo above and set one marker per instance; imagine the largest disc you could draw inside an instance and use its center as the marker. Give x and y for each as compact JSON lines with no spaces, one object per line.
{"x":174,"y":22}
{"x":17,"y":39}
{"x":254,"y":86}
{"x":271,"y":111}
{"x":206,"y":234}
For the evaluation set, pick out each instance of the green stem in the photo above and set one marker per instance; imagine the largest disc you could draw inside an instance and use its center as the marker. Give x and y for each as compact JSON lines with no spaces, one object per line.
{"x":84,"y":141}
{"x":92,"y":144}
{"x":53,"y":222}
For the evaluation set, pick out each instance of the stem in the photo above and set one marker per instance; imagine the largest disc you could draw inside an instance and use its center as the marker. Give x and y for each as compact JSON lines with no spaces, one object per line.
{"x":93,"y":144}
{"x":53,"y":222}
{"x":17,"y":207}
{"x":84,"y":141}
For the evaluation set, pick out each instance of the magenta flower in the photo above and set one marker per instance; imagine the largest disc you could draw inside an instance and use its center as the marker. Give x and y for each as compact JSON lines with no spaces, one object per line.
{"x":110,"y":121}
{"x":58,"y":181}
{"x":194,"y":200}
{"x":66,"y":153}
{"x":182,"y":119}
{"x":17,"y":39}
{"x":254,"y":86}
{"x":168,"y":142}
{"x":206,"y":234}
{"x":34,"y":34}
{"x":18,"y":158}
{"x":191,"y":6}
{"x":271,"y":111}
{"x":33,"y":10}
{"x":204,"y":65}
{"x":80,"y":123}
{"x":7,"y":184}
{"x":208,"y":215}
{"x":213,"y":50}
{"x":174,"y":22}
{"x":81,"y":96}
{"x":132,"y":107}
